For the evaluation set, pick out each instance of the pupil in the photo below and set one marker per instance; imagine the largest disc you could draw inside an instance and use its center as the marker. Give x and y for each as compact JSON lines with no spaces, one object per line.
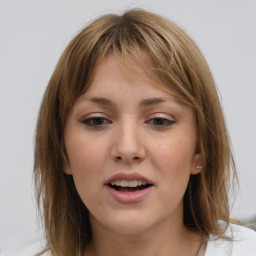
{"x":159,"y":121}
{"x":98,"y":121}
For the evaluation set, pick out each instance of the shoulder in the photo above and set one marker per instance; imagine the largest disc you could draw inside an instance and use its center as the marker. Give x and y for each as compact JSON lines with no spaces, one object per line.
{"x":243,"y":242}
{"x":27,"y":250}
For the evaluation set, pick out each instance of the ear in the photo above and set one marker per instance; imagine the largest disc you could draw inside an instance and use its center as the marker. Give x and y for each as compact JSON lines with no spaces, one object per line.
{"x":196,"y":166}
{"x":67,"y":167}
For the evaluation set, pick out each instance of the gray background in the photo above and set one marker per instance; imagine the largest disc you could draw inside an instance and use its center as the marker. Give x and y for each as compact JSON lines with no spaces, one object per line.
{"x":33,"y":34}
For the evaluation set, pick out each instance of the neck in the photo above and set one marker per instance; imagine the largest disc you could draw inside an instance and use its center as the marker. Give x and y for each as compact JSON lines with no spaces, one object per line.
{"x":161,"y":240}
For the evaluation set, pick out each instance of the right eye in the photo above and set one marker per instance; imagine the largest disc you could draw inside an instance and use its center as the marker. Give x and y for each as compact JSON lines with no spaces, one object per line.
{"x":95,"y":122}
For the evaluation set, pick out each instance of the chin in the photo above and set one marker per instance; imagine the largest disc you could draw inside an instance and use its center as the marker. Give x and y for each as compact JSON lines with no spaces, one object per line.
{"x":129,"y":223}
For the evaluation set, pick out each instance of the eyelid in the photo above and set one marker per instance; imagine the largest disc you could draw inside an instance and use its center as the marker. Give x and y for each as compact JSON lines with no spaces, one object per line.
{"x":161,"y":115}
{"x":94,"y":115}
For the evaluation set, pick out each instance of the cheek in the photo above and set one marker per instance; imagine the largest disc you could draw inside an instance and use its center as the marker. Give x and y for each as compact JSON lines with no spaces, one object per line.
{"x":175,"y":154}
{"x":86,"y":165}
{"x":85,"y":156}
{"x":173,"y":161}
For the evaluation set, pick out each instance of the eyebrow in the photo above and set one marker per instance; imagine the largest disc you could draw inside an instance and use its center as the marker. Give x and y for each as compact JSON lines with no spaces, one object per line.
{"x":144,"y":103}
{"x":101,"y":101}
{"x":151,"y":101}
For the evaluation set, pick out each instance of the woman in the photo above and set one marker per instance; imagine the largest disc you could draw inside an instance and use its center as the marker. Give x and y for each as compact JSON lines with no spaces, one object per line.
{"x":132,"y":155}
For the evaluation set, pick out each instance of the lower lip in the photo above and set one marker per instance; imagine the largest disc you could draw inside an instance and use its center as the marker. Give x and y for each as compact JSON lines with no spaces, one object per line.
{"x":129,"y":197}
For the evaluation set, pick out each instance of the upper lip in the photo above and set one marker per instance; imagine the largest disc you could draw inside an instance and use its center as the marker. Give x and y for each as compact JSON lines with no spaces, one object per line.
{"x":127,"y":176}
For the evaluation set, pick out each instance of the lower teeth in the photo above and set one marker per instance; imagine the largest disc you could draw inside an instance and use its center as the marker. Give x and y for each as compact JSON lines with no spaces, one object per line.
{"x":129,"y":189}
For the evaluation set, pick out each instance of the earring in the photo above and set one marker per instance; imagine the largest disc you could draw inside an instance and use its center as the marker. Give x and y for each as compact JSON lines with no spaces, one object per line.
{"x":199,"y":167}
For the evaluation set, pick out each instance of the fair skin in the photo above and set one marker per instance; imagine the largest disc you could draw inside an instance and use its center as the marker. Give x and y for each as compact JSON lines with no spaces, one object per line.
{"x":124,"y":125}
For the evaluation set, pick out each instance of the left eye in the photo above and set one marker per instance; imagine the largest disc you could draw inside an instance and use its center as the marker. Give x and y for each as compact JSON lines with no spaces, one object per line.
{"x":161,"y":122}
{"x":95,"y":121}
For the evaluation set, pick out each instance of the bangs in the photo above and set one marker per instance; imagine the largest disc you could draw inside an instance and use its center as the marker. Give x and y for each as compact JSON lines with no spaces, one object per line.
{"x":130,"y":37}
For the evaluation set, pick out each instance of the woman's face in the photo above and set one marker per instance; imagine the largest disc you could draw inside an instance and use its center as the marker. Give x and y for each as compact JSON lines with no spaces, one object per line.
{"x":127,"y":132}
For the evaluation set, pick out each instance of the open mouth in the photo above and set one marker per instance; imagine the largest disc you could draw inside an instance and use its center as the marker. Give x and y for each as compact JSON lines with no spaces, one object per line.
{"x":129,"y":186}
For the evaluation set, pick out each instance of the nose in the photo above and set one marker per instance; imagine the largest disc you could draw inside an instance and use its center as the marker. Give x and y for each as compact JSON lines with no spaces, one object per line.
{"x":128,"y":146}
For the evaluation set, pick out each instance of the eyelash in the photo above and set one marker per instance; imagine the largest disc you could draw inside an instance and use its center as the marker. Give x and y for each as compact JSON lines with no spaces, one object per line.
{"x":90,"y":122}
{"x":167,"y":122}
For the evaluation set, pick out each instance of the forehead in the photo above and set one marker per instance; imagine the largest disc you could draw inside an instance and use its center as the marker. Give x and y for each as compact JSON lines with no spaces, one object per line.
{"x":113,"y":74}
{"x":113,"y":67}
{"x":129,"y":87}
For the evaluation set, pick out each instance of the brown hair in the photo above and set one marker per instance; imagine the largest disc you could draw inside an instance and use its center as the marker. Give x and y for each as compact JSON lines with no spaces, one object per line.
{"x":176,"y":61}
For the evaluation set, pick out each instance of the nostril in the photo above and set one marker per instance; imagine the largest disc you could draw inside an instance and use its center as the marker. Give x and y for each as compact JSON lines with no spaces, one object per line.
{"x":136,"y":158}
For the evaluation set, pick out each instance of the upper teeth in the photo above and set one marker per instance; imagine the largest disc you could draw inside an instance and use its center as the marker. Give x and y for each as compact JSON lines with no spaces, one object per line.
{"x":126,"y":183}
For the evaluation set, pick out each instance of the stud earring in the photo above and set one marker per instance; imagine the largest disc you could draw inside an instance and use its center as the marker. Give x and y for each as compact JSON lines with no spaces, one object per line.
{"x":199,"y":167}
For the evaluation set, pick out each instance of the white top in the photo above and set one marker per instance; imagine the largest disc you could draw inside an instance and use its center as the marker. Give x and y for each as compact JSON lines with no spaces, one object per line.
{"x":243,"y":244}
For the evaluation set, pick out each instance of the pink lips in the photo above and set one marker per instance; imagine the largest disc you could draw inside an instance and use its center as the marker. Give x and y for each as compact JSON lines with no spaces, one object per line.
{"x":127,"y":176}
{"x":128,"y":197}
